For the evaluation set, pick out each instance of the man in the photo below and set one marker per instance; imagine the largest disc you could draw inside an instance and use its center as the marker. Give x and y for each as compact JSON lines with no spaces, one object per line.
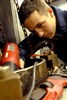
{"x":44,"y":23}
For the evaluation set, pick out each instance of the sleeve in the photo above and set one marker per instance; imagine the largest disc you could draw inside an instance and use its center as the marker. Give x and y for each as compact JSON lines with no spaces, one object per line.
{"x":23,"y":49}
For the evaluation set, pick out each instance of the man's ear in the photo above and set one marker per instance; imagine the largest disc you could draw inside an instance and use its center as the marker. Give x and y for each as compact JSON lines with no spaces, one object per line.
{"x":50,"y":11}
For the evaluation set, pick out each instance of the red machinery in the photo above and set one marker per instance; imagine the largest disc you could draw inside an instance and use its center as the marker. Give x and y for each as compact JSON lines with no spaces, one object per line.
{"x":52,"y":89}
{"x":56,"y":91}
{"x":10,"y":56}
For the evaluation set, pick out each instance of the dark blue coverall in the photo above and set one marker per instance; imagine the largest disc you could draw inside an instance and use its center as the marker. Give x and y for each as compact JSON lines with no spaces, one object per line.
{"x":59,"y":40}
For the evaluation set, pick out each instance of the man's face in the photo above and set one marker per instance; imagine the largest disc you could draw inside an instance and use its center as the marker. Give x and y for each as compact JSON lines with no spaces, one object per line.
{"x":41,"y":24}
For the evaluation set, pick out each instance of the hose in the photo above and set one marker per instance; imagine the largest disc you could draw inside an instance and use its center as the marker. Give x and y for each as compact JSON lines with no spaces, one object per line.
{"x":33,"y":82}
{"x":40,"y":45}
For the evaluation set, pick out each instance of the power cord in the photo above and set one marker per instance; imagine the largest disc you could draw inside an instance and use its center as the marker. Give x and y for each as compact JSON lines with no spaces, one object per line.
{"x":33,"y":81}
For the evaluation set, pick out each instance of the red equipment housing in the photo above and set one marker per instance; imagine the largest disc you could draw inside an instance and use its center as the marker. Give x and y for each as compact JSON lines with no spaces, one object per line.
{"x":56,"y":91}
{"x":10,"y":55}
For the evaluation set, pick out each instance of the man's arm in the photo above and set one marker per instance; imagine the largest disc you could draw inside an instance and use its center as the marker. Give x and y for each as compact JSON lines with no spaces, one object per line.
{"x":24,"y":48}
{"x":23,"y":51}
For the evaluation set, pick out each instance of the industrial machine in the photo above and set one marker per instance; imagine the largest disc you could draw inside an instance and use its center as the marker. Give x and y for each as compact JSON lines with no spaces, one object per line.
{"x":34,"y":81}
{"x":33,"y":76}
{"x":21,"y":77}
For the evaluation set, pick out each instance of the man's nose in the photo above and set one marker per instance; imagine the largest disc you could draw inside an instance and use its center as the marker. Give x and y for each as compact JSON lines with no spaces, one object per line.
{"x":39,"y":32}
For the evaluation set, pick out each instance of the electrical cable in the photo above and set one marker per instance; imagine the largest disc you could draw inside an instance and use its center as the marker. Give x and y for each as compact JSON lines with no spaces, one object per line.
{"x":33,"y":81}
{"x":40,"y":45}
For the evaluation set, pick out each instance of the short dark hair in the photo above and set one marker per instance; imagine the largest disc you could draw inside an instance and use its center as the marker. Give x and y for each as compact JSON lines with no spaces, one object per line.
{"x":29,"y":6}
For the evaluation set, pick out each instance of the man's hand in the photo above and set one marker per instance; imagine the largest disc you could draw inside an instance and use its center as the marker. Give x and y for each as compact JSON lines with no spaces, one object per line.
{"x":21,"y":62}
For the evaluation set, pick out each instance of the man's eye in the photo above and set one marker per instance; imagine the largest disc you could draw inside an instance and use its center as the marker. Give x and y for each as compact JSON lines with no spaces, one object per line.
{"x":40,"y":25}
